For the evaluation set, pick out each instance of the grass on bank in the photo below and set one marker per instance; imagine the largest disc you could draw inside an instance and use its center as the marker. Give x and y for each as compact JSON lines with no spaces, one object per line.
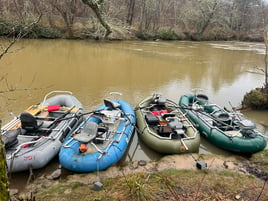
{"x":261,"y":160}
{"x":166,"y":185}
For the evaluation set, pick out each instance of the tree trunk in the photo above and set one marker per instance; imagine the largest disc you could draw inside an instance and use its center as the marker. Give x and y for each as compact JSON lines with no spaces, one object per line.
{"x":265,"y":38}
{"x":4,"y":195}
{"x":142,"y":15}
{"x":97,"y":7}
{"x":265,"y":63}
{"x":67,"y":11}
{"x":208,"y":15}
{"x":130,"y":12}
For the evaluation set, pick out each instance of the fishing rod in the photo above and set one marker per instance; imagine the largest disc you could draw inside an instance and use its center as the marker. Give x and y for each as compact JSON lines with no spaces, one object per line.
{"x":207,"y":115}
{"x":215,"y":119}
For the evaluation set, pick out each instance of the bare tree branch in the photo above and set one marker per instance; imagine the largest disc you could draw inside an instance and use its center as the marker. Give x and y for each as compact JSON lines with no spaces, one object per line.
{"x":260,"y":69}
{"x":21,"y":34}
{"x":97,"y":7}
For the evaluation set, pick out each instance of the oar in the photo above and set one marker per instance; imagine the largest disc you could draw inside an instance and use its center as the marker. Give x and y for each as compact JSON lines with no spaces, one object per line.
{"x":60,"y":118}
{"x":205,"y":114}
{"x":187,"y":108}
{"x":80,"y":115}
{"x":265,"y":136}
{"x":234,"y":110}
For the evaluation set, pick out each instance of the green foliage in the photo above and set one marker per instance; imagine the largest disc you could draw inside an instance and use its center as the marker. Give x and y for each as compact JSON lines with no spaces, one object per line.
{"x":13,"y":28}
{"x":75,"y":185}
{"x":6,"y":28}
{"x":138,"y":187}
{"x":163,"y":34}
{"x":260,"y":159}
{"x":40,"y":31}
{"x":166,"y":185}
{"x":147,"y":35}
{"x":168,"y":34}
{"x":256,"y":99}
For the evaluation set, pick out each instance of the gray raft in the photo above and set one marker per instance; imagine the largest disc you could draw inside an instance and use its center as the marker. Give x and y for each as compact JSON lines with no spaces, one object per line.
{"x":35,"y":137}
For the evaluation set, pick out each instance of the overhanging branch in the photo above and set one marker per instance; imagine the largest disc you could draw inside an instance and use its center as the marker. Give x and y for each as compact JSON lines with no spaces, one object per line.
{"x":20,"y":35}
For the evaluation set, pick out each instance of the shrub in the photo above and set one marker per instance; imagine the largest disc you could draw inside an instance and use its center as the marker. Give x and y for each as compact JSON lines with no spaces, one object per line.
{"x":7,"y":28}
{"x":38,"y":31}
{"x":147,"y":35}
{"x":256,"y":99}
{"x":168,"y":34}
{"x":163,"y":34}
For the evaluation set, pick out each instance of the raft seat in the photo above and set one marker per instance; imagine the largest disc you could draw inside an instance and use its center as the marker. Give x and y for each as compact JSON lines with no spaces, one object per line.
{"x":160,"y":101}
{"x":176,"y":126}
{"x":29,"y":122}
{"x":201,"y":99}
{"x":111,"y":105}
{"x":222,"y":120}
{"x":102,"y":135}
{"x":88,"y":132}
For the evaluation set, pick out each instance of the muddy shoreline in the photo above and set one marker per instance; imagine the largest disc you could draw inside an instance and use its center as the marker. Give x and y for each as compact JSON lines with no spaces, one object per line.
{"x":235,"y":164}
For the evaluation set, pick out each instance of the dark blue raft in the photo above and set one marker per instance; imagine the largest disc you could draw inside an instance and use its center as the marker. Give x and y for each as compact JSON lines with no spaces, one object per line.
{"x":101,"y":140}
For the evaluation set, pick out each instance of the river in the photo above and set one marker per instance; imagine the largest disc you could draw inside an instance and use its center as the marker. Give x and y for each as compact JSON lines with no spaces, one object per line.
{"x":225,"y":71}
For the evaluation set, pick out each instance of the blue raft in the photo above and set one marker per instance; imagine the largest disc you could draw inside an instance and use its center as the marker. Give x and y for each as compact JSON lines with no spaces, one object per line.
{"x":101,"y":140}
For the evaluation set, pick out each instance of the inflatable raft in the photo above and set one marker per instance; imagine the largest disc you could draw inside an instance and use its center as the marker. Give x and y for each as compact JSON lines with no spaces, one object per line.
{"x":227,"y":130}
{"x":101,"y":140}
{"x":164,"y":128}
{"x":34,"y":137}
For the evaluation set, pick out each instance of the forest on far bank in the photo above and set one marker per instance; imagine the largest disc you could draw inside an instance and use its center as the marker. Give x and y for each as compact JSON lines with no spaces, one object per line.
{"x":244,"y":20}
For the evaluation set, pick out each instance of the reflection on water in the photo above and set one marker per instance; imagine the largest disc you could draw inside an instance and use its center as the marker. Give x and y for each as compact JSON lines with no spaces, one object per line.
{"x":137,"y":69}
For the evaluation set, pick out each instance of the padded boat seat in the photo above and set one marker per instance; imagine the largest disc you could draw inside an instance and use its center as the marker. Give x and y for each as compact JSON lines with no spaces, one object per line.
{"x":160,"y":101}
{"x":201,"y":98}
{"x":176,"y":126}
{"x":221,"y":116}
{"x":29,"y":122}
{"x":88,"y":132}
{"x":111,"y":105}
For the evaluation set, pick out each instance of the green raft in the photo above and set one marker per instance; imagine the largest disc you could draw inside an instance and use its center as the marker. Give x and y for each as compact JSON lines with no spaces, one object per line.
{"x":164,"y":128}
{"x":225,"y":129}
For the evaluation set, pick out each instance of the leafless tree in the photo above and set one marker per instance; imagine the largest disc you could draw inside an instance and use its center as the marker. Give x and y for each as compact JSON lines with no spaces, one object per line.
{"x":130,"y":14}
{"x":5,"y":48}
{"x":98,"y":7}
{"x":67,"y":10}
{"x":265,"y":61}
{"x":264,"y":18}
{"x":232,"y":18}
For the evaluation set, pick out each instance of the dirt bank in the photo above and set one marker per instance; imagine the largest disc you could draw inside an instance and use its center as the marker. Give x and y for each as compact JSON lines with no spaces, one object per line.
{"x":72,"y":187}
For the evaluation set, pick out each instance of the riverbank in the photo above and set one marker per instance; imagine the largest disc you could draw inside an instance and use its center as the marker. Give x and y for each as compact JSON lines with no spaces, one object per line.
{"x":174,"y":177}
{"x":40,"y":28}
